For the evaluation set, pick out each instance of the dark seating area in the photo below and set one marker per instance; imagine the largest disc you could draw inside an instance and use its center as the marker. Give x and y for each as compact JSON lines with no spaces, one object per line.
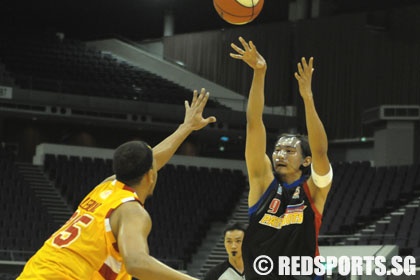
{"x":194,"y":197}
{"x":185,"y":201}
{"x":362,"y":195}
{"x":7,"y":276}
{"x":43,"y":61}
{"x":401,"y":229}
{"x":75,"y":176}
{"x":25,"y":223}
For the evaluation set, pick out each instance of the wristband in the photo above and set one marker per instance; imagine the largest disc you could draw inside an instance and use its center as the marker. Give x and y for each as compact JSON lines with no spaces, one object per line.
{"x":322,"y":181}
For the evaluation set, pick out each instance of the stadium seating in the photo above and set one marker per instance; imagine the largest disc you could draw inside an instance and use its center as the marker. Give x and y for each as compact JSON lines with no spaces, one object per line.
{"x":25,"y":223}
{"x":7,"y":276}
{"x":42,"y":61}
{"x":373,"y":197}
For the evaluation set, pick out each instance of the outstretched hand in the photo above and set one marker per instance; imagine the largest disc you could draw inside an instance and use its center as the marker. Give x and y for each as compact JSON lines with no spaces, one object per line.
{"x":304,"y":77}
{"x":194,"y":112}
{"x":249,"y":55}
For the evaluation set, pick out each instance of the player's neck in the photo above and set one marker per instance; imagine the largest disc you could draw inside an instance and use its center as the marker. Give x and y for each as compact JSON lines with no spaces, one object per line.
{"x":141,"y":193}
{"x":290,"y":178}
{"x":237,"y":263}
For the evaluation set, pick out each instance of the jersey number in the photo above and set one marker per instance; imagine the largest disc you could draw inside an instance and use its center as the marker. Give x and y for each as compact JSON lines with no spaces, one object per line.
{"x":274,"y":206}
{"x":72,"y":231}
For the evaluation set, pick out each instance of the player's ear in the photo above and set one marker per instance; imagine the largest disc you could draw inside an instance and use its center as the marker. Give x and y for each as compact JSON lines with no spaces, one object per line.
{"x":307,"y":161}
{"x":149,"y":175}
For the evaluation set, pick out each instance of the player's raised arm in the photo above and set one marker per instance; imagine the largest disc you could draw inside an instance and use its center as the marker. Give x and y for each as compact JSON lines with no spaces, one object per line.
{"x":258,"y":164}
{"x":321,"y":178}
{"x":193,"y":120}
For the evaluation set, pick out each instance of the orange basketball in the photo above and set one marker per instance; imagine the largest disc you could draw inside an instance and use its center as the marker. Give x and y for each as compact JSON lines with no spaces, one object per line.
{"x":238,"y":11}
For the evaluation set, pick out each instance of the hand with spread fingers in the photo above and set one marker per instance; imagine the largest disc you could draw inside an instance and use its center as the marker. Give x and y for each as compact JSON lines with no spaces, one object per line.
{"x":194,"y":112}
{"x":304,"y":77}
{"x":249,"y":55}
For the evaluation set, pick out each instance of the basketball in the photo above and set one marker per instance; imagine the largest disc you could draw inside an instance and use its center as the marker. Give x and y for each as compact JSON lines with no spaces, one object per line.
{"x":238,"y":11}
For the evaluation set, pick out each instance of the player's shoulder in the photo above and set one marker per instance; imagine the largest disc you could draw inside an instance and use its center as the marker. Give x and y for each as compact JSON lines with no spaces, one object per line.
{"x":118,"y":197}
{"x":131,"y":212}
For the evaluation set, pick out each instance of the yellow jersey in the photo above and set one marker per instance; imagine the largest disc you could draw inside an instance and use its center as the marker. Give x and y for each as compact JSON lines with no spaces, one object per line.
{"x":84,"y":247}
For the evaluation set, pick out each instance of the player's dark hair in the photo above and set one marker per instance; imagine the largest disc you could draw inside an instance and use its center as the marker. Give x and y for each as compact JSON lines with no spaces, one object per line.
{"x":234,"y":226}
{"x":131,"y":161}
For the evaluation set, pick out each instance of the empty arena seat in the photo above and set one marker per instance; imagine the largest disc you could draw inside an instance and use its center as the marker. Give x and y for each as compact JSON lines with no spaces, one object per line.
{"x":23,"y":214}
{"x":361,"y":195}
{"x":44,"y":62}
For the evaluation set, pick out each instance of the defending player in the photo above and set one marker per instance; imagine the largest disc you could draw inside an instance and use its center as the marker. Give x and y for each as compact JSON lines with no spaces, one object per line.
{"x":106,"y":238}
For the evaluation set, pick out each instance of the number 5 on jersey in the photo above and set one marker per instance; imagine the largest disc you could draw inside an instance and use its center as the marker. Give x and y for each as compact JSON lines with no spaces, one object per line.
{"x":72,"y":229}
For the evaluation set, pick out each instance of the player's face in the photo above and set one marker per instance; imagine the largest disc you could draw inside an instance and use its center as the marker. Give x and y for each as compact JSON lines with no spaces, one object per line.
{"x":287,"y":156}
{"x":233,"y":243}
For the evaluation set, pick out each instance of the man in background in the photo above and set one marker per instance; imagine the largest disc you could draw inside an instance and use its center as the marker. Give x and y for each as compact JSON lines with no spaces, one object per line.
{"x":233,"y":267}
